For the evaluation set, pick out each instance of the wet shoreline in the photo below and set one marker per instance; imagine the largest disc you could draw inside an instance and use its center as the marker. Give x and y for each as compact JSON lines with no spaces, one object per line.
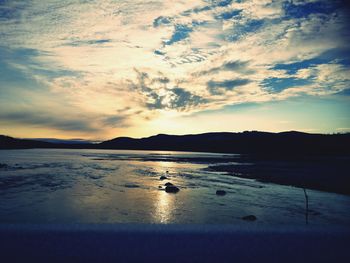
{"x":324,"y":173}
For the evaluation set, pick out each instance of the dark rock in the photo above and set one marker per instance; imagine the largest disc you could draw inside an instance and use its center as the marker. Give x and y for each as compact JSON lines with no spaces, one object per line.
{"x":167,"y":172}
{"x":171,"y":189}
{"x":163,"y":177}
{"x":168,"y":183}
{"x":220,"y":192}
{"x":249,"y":218}
{"x":95,"y":177}
{"x":160,"y":187}
{"x":131,"y":186}
{"x":3,"y":165}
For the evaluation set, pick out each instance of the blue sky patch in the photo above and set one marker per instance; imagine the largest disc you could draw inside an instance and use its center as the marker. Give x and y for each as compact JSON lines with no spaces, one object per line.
{"x":181,"y":32}
{"x":9,"y":73}
{"x":240,"y":30}
{"x":229,"y":14}
{"x":19,"y":65}
{"x":338,"y":55}
{"x":292,"y":68}
{"x":303,"y":10}
{"x":276,"y":85}
{"x":224,"y":3}
{"x":12,"y":12}
{"x":345,"y":92}
{"x":333,"y":55}
{"x":12,"y":76}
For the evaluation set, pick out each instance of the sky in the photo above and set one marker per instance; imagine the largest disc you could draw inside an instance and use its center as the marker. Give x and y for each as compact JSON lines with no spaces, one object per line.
{"x":98,"y":70}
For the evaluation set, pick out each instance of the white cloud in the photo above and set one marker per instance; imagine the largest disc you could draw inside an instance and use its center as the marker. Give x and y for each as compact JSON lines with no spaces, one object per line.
{"x":103,"y":43}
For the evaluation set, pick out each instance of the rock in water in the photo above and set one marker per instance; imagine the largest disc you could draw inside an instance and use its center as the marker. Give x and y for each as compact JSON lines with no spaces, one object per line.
{"x":163,"y":177}
{"x":171,"y":189}
{"x":131,"y":186}
{"x":249,"y":218}
{"x":220,"y":192}
{"x":168,"y":183}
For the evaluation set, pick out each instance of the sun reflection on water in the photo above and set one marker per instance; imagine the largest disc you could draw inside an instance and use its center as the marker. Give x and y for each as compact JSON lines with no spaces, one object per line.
{"x":164,"y":206}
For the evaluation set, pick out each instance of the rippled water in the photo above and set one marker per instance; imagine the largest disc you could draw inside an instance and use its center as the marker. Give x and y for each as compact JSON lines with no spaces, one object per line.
{"x":102,"y":186}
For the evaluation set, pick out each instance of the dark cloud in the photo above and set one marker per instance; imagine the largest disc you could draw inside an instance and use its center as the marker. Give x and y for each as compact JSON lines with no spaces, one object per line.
{"x":62,"y":122}
{"x":196,"y":10}
{"x":162,"y":20}
{"x":158,"y":52}
{"x":156,"y":101}
{"x":115,"y":121}
{"x":184,"y":99}
{"x":77,"y":43}
{"x":46,"y":119}
{"x":163,"y":80}
{"x":177,"y":98}
{"x":142,"y":79}
{"x":220,"y":87}
{"x":142,"y":86}
{"x":236,"y":66}
{"x":170,"y":98}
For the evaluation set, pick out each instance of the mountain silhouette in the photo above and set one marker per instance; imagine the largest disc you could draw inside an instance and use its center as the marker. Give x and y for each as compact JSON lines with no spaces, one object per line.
{"x":291,"y":142}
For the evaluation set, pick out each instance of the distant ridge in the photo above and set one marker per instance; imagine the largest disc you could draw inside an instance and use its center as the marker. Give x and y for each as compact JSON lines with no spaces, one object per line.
{"x":67,"y":141}
{"x":291,"y":142}
{"x":7,"y":142}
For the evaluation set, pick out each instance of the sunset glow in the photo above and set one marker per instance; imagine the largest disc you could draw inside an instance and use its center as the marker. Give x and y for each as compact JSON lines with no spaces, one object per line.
{"x":99,"y":70}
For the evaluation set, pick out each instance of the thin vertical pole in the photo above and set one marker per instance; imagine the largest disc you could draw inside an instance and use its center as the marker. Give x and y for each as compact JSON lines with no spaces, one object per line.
{"x":306,"y":207}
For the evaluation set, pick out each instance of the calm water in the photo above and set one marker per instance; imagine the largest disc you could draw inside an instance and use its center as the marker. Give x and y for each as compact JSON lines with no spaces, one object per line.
{"x":102,"y":186}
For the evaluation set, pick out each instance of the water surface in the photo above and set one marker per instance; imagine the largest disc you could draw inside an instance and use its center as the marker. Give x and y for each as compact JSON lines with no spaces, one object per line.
{"x":115,"y":186}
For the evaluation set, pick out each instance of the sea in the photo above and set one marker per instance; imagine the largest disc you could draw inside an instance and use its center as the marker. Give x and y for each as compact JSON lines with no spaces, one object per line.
{"x":59,"y":186}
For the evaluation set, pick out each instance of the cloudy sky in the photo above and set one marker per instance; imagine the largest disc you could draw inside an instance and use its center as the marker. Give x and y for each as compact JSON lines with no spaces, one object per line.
{"x":103,"y":69}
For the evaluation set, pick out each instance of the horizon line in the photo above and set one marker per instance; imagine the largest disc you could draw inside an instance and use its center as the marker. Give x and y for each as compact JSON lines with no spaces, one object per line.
{"x":158,"y":134}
